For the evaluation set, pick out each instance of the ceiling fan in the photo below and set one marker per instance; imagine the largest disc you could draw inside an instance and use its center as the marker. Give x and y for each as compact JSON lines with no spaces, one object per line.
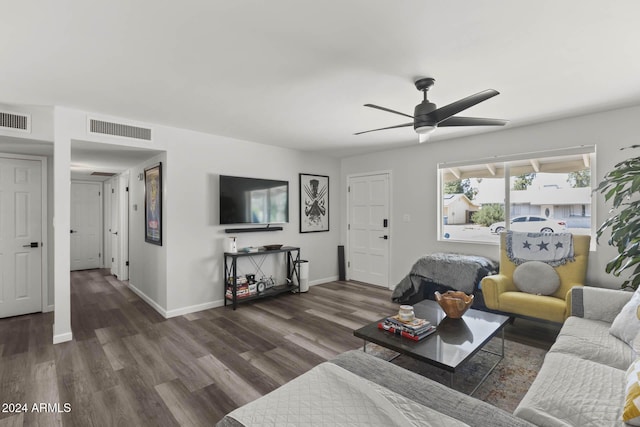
{"x":427,"y":117}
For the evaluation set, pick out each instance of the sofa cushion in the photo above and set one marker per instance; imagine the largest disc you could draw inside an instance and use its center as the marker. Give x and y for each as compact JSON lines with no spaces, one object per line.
{"x":536,"y":277}
{"x":569,"y":391}
{"x":590,"y":339}
{"x":626,"y":325}
{"x":539,"y":306}
{"x":631,"y":412}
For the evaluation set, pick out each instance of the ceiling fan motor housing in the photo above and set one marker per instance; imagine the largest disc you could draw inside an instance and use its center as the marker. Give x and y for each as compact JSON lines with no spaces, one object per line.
{"x":421,"y":114}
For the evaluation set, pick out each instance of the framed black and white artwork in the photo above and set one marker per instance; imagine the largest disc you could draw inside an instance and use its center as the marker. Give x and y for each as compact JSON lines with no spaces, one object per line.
{"x":314,"y":203}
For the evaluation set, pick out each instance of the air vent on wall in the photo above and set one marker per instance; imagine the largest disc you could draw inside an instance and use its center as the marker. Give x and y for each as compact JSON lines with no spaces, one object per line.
{"x":13,"y":121}
{"x":119,"y":129}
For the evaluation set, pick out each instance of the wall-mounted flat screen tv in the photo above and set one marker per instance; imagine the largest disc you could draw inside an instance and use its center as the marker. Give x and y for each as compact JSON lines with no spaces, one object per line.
{"x":253,"y":200}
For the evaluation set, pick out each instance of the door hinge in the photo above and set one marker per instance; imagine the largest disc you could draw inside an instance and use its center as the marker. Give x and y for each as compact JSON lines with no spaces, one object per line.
{"x":113,"y":191}
{"x":127,"y":263}
{"x":348,"y":189}
{"x":113,"y":260}
{"x":348,"y":226}
{"x":99,"y":193}
{"x":99,"y":255}
{"x":126,"y":189}
{"x":349,"y":264}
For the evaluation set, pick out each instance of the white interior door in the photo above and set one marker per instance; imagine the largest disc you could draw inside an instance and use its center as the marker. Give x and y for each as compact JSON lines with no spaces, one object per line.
{"x":115,"y":227}
{"x":123,"y":232}
{"x":86,"y":225}
{"x":118,"y":212}
{"x":368,"y":229}
{"x":106,"y":257}
{"x":20,"y":236}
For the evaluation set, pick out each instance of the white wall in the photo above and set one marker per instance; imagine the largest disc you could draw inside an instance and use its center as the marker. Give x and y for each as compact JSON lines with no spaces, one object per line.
{"x":186,"y":273}
{"x":41,"y":122}
{"x":414,"y":190}
{"x":147,"y":262}
{"x":194,"y":238}
{"x":61,"y":224}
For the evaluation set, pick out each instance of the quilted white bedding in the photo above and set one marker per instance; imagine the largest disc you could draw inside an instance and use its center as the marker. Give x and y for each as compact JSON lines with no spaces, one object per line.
{"x":331,"y":395}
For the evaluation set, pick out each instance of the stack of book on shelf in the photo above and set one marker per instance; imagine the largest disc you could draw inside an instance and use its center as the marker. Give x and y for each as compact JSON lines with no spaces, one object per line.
{"x":243,"y":288}
{"x":415,"y":329}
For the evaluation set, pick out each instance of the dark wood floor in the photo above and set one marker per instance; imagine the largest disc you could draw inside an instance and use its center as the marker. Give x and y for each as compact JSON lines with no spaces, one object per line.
{"x":129,"y":366}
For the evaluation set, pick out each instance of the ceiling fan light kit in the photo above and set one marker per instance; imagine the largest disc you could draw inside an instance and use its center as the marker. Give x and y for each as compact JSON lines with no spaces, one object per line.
{"x":424,"y":132}
{"x":427,"y":117}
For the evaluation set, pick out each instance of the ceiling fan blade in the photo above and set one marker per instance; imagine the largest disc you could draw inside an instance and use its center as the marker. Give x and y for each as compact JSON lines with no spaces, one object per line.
{"x":471,"y":121}
{"x":377,"y":107}
{"x":390,"y":127}
{"x":447,"y":111}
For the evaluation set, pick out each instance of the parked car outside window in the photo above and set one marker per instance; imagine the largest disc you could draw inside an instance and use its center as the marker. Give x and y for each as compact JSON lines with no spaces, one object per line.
{"x":532,"y":224}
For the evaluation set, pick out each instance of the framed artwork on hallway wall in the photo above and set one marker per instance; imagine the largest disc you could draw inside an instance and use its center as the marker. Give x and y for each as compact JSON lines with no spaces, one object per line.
{"x":314,"y":203}
{"x":153,"y":204}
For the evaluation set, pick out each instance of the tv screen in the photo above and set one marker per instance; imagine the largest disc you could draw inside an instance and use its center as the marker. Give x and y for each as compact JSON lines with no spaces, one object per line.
{"x":253,"y":200}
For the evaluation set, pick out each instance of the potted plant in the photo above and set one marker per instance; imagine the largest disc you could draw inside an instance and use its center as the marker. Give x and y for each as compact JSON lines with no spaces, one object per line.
{"x":622,"y":187}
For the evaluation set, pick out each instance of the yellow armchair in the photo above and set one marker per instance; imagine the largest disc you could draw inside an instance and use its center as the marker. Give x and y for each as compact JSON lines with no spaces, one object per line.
{"x":500,"y":293}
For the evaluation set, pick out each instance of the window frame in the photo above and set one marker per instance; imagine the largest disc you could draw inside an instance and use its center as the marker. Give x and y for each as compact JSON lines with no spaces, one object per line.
{"x":588,"y":153}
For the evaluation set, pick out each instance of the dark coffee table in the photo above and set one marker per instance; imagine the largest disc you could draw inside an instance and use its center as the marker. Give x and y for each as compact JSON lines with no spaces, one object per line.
{"x":454,"y":342}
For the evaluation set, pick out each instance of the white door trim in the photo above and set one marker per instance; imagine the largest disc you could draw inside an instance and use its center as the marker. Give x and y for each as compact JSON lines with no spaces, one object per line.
{"x":123,"y":205}
{"x":45,"y":219}
{"x":389,"y":173}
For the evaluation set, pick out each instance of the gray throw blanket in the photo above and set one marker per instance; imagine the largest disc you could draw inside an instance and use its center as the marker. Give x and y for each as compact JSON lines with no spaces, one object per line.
{"x":552,"y":248}
{"x":459,"y":272}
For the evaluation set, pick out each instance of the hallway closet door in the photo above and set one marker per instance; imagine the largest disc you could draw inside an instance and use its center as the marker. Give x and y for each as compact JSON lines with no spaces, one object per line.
{"x":20,"y":236}
{"x":86,"y":225}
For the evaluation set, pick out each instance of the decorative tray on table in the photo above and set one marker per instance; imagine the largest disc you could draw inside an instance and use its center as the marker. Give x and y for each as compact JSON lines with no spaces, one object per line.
{"x":272,"y":247}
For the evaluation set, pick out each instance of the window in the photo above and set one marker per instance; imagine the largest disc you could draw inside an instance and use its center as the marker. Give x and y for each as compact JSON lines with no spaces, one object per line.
{"x":546,"y":191}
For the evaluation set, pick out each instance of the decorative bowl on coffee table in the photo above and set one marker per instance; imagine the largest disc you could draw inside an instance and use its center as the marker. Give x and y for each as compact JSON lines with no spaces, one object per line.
{"x":454,"y":303}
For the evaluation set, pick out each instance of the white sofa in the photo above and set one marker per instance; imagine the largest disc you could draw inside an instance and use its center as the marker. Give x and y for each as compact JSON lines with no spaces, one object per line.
{"x":581,"y":383}
{"x":582,"y":379}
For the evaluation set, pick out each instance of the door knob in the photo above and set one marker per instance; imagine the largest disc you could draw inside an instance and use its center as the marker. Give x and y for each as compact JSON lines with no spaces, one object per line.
{"x":73,"y":231}
{"x":385,"y":237}
{"x":31,"y":245}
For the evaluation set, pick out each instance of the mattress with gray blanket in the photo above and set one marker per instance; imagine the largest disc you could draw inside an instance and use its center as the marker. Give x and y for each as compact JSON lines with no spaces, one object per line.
{"x":454,"y":271}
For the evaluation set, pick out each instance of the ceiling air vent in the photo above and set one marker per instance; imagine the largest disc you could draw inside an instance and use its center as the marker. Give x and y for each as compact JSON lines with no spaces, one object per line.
{"x":118,"y":129}
{"x":102,"y":173}
{"x":13,"y":121}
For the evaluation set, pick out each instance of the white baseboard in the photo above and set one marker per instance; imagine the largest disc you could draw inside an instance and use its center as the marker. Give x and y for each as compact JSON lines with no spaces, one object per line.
{"x":178,"y":311}
{"x":321,"y":281}
{"x":67,"y":336}
{"x":194,"y":308}
{"x":204,"y":306}
{"x":148,"y":300}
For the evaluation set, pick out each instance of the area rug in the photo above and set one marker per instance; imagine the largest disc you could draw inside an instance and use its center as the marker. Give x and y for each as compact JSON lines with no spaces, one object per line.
{"x":505,"y":386}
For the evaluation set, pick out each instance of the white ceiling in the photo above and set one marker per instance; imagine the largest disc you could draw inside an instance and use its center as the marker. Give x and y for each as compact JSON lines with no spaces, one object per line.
{"x":295,"y":73}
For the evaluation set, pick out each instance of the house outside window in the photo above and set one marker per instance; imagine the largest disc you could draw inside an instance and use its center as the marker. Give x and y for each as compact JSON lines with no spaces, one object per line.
{"x":537,"y":192}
